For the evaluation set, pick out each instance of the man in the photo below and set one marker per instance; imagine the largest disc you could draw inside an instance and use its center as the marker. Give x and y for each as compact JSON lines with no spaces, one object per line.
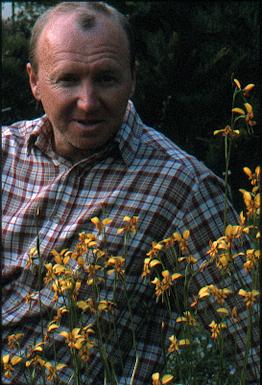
{"x":91,"y":156}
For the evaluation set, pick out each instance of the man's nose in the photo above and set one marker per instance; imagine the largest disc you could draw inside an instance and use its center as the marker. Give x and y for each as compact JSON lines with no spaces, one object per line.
{"x":87,"y":98}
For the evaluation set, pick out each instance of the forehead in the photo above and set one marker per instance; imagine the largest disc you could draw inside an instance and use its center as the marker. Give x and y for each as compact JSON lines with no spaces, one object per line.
{"x":63,"y":33}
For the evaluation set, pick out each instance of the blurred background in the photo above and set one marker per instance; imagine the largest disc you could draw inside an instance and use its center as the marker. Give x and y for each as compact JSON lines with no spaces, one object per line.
{"x":188,"y":52}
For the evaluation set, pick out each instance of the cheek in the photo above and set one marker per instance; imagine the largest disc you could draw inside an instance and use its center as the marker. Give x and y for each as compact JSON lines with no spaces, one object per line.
{"x":55,"y":103}
{"x":118,"y":103}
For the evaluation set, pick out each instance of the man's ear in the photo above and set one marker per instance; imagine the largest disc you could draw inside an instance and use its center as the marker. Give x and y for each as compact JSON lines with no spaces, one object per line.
{"x":33,"y":80}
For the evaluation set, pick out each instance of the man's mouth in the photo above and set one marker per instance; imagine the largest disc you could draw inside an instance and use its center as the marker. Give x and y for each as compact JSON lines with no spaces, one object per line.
{"x":89,"y":122}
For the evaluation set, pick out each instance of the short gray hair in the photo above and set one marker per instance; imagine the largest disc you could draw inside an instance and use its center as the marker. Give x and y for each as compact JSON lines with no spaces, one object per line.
{"x":86,"y":12}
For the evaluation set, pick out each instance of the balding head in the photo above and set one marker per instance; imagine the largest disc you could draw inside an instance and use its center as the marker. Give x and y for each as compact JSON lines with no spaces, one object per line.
{"x":85,"y":14}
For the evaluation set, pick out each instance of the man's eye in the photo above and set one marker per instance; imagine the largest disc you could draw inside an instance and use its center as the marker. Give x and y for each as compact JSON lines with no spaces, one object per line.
{"x":106,"y":78}
{"x":68,"y":79}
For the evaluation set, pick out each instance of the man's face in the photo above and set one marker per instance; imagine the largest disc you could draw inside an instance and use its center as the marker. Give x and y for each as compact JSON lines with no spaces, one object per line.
{"x":83,"y":82}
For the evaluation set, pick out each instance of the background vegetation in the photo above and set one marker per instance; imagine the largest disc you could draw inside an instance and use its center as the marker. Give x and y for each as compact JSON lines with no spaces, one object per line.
{"x":187,"y":53}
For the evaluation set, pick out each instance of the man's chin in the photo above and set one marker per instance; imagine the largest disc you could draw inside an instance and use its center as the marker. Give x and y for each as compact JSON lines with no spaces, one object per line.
{"x":83,"y":151}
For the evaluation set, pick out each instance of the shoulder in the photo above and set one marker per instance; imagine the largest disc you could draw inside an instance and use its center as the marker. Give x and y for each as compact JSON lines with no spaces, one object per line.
{"x":22,"y":128}
{"x":18,"y":133}
{"x":174,"y":161}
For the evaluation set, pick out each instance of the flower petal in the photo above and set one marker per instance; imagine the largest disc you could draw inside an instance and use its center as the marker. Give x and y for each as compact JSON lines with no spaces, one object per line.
{"x":248,"y":107}
{"x":237,"y":83}
{"x":166,"y":379}
{"x":249,"y":87}
{"x":5,"y":359}
{"x":15,"y":360}
{"x":238,"y":110}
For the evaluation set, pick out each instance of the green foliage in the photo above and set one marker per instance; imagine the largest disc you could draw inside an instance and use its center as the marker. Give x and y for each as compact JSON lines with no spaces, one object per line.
{"x":204,"y":363}
{"x":187,"y":52}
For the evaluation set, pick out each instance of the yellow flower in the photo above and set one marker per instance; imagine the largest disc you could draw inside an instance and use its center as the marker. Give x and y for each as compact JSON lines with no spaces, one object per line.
{"x":238,"y":110}
{"x":248,"y":88}
{"x":146,"y":268}
{"x":63,"y":257}
{"x":154,"y":263}
{"x":73,"y":339}
{"x":149,"y":264}
{"x":85,"y":351}
{"x":253,"y":257}
{"x":174,"y":346}
{"x":249,"y":297}
{"x":222,"y":311}
{"x":166,"y":379}
{"x":248,"y":266}
{"x":105,"y":305}
{"x":204,"y":292}
{"x":184,"y":342}
{"x":161,"y":286}
{"x":59,"y":269}
{"x":31,"y":297}
{"x":60,"y":311}
{"x":234,"y":314}
{"x":213,"y":251}
{"x":242,"y":224}
{"x":223,"y":261}
{"x":52,"y":370}
{"x":168,"y":242}
{"x":65,"y":284}
{"x":50,"y":275}
{"x":9,"y":363}
{"x":237,"y":84}
{"x":253,"y":177}
{"x":56,"y":289}
{"x":86,"y":241}
{"x":118,"y":265}
{"x":36,"y":348}
{"x":216,"y":329}
{"x":87,"y":331}
{"x":13,"y":340}
{"x":87,"y":305}
{"x":35,"y":361}
{"x":188,"y":318}
{"x":32,"y":255}
{"x":156,"y":247}
{"x":191,"y":260}
{"x":182,"y":240}
{"x":100,"y":225}
{"x":249,"y":115}
{"x":52,"y":326}
{"x":195,"y":302}
{"x":91,"y":269}
{"x":252,"y":203}
{"x":219,"y":294}
{"x":227,"y":131}
{"x":224,"y":243}
{"x":221,"y":250}
{"x":232,"y":232}
{"x":130,"y":226}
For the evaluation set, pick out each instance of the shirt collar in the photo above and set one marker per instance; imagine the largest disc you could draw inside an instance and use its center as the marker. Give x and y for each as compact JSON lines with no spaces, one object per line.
{"x":129,"y":135}
{"x":40,"y":136}
{"x":127,"y":138}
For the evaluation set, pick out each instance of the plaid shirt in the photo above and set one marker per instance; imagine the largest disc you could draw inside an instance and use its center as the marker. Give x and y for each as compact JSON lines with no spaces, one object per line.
{"x":140,"y":173}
